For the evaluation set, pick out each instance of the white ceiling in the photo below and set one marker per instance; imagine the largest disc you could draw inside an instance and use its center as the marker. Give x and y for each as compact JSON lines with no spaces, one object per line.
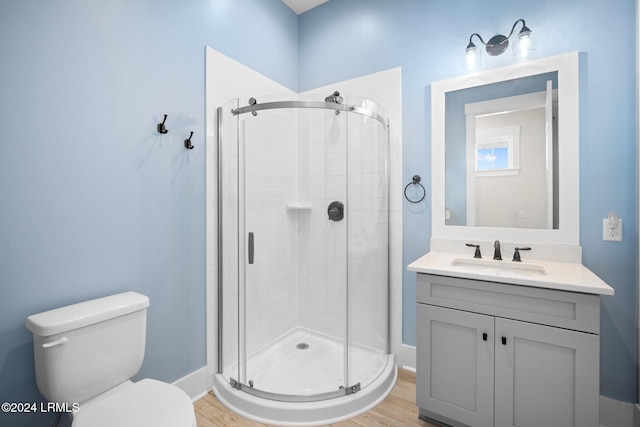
{"x":301,"y":6}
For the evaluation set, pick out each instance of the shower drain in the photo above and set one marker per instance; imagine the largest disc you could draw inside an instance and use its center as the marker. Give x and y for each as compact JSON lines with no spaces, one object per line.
{"x":302,"y":346}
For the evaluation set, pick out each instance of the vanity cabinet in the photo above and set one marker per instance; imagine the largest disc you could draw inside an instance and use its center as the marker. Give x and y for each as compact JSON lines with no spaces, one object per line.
{"x":495,"y":354}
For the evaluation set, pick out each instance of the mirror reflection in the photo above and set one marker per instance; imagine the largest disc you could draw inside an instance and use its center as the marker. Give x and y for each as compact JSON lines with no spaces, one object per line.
{"x":501,"y":154}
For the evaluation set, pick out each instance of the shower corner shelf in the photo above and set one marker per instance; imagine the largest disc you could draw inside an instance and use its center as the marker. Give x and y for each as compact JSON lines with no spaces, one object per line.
{"x":298,"y":206}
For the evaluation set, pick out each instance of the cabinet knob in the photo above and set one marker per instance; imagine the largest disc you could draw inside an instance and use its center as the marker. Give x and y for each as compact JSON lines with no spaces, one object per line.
{"x":484,"y":336}
{"x":504,"y":340}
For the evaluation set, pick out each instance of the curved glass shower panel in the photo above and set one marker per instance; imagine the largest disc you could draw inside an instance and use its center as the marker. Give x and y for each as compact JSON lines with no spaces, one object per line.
{"x":368,"y":242}
{"x":322,"y":138}
{"x":228,"y":233}
{"x":295,"y":274}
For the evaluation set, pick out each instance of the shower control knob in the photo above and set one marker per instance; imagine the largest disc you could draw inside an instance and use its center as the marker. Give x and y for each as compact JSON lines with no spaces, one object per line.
{"x":335,"y":211}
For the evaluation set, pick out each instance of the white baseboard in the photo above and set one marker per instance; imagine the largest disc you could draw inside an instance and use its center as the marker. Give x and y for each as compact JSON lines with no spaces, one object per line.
{"x":407,"y":359}
{"x":194,"y":384}
{"x":615,"y":413}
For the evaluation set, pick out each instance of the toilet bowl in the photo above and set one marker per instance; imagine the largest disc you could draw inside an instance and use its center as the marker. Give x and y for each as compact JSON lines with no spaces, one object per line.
{"x":85,"y":357}
{"x":144,"y":403}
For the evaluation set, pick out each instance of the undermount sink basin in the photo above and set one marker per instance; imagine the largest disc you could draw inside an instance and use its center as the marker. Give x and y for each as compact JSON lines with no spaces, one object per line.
{"x":483,"y":265}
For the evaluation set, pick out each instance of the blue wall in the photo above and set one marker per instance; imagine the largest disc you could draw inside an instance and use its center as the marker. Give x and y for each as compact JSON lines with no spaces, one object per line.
{"x":346,"y":38}
{"x":93,"y":201}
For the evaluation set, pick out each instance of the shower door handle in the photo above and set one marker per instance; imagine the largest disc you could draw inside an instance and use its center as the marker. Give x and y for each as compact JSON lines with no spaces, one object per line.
{"x":251,"y":248}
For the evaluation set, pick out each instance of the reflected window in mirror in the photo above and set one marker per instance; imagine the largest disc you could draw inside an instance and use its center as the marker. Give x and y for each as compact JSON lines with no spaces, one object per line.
{"x":497,"y":150}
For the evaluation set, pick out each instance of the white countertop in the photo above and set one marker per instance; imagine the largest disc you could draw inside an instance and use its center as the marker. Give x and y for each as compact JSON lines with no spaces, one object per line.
{"x":564,"y":276}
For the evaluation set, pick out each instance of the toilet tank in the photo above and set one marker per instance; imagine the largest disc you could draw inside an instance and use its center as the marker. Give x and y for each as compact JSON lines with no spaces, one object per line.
{"x":84,"y":349}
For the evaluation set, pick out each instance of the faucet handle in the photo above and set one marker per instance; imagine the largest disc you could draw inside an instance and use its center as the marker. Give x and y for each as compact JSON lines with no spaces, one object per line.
{"x":477,"y":253}
{"x":516,"y":254}
{"x":497,"y":254}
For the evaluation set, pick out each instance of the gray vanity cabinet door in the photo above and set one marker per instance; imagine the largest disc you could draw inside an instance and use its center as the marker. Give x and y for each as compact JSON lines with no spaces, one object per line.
{"x":545,"y":376}
{"x":455,"y":365}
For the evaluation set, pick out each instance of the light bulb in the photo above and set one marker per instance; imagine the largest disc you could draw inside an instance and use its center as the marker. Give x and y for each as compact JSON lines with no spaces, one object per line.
{"x":472,"y":58}
{"x":525,"y":45}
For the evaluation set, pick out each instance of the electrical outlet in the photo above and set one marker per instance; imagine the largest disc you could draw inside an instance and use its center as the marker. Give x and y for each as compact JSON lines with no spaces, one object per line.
{"x":611,"y":234}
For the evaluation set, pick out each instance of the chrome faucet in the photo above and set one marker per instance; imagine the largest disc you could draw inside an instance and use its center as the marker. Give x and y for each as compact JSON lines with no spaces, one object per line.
{"x":496,"y":252}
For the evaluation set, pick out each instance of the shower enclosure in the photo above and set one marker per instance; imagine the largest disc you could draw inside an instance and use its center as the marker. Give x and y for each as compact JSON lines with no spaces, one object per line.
{"x":303,"y":276}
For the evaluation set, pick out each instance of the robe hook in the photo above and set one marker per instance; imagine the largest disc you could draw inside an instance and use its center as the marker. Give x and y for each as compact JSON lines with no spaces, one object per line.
{"x":187,"y":142}
{"x":161,"y":127}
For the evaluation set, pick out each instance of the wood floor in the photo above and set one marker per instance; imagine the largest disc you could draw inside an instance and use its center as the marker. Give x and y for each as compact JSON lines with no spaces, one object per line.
{"x":398,"y":409}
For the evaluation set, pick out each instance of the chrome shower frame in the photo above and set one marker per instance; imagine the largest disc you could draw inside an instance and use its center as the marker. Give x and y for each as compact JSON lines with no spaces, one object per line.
{"x":254,"y":108}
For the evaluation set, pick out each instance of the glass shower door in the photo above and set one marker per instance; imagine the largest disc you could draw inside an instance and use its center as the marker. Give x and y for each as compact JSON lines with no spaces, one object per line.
{"x":322,"y":167}
{"x":293,"y":280}
{"x":268,"y":178}
{"x":368,"y":243}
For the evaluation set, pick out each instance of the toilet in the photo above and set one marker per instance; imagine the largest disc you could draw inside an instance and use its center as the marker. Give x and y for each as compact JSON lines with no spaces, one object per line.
{"x":85,"y":357}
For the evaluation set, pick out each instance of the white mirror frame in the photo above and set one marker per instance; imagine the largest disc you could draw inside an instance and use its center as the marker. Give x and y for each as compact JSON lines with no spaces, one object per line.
{"x":568,"y":232}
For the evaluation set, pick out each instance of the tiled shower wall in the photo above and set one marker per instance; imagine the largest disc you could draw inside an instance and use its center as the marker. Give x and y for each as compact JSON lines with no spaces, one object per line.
{"x":273,"y":304}
{"x":322,"y":287}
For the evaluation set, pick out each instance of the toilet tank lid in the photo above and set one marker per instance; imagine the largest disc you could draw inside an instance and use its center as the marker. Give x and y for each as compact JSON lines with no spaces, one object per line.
{"x":85,"y":313}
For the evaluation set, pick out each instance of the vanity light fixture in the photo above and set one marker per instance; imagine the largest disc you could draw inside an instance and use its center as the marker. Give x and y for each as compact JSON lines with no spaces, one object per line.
{"x":499,"y":43}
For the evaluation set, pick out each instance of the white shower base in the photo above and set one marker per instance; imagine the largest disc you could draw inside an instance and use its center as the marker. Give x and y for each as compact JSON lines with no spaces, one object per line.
{"x":283,"y":369}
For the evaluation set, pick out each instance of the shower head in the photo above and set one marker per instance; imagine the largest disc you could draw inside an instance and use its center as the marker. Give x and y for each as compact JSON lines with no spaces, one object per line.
{"x":334,"y":97}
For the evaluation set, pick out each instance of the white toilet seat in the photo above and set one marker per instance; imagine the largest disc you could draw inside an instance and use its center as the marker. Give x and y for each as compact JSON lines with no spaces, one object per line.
{"x":145,"y":403}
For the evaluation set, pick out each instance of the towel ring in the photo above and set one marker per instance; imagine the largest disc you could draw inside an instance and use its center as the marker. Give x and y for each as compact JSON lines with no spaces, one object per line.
{"x":415,"y":181}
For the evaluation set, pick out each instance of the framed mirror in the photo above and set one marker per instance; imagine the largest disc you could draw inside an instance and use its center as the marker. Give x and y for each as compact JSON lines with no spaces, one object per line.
{"x":505,"y":154}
